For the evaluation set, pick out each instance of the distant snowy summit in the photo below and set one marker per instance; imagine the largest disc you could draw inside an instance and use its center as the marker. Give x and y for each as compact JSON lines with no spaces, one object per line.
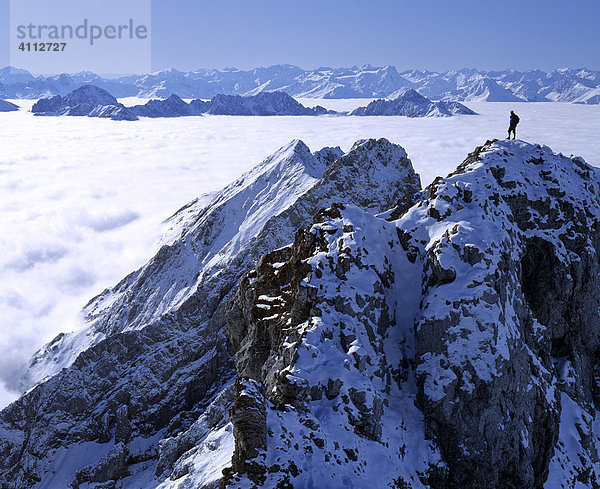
{"x":7,"y":106}
{"x":410,"y":103}
{"x":88,"y":100}
{"x":563,"y":85}
{"x":93,"y":101}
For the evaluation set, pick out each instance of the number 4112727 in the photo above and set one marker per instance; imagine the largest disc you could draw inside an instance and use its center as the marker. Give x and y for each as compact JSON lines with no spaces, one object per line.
{"x":43,"y":46}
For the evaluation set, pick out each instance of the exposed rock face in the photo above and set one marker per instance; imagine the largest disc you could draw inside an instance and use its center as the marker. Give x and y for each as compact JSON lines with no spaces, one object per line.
{"x":152,"y":369}
{"x":92,"y":101}
{"x":520,"y":237}
{"x":325,"y":326}
{"x":412,"y":104}
{"x":170,"y":107}
{"x":249,"y":418}
{"x":481,"y":304}
{"x":87,"y":100}
{"x":450,"y":341}
{"x":264,"y":103}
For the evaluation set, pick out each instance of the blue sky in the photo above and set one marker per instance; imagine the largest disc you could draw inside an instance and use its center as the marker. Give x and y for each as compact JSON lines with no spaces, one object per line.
{"x":432,"y":34}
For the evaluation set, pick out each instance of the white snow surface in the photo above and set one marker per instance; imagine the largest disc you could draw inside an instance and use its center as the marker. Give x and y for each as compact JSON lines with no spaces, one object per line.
{"x":83,"y":201}
{"x":578,"y":428}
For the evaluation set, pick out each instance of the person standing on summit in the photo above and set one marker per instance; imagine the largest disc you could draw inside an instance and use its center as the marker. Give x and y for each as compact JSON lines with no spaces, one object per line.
{"x":512,"y":127}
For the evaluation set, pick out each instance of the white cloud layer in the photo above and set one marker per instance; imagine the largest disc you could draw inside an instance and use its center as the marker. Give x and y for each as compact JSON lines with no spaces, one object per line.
{"x":82,"y":200}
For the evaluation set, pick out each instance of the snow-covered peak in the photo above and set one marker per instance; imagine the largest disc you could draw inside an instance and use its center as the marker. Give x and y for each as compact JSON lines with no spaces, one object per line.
{"x":90,"y":94}
{"x":367,"y":81}
{"x":212,"y":240}
{"x":450,"y":341}
{"x":479,"y":306}
{"x":410,"y":103}
{"x":487,"y":90}
{"x":263,"y":103}
{"x":407,"y":94}
{"x":88,"y":100}
{"x":172,"y":106}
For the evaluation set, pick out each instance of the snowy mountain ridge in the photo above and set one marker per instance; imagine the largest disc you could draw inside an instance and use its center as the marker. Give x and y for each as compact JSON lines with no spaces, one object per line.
{"x":406,"y":338}
{"x":410,"y":103}
{"x":563,"y":85}
{"x":87,"y":100}
{"x":149,"y":374}
{"x":93,"y":101}
{"x":468,"y":323}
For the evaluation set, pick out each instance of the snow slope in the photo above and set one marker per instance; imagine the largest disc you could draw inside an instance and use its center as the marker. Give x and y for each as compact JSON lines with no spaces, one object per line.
{"x":156,"y":341}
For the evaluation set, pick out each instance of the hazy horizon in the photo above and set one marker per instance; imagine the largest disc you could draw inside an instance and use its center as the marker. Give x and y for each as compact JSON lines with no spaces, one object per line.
{"x":318,"y":68}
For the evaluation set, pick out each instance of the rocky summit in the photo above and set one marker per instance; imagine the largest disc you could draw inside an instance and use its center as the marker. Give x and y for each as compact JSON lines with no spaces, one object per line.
{"x":88,"y":100}
{"x":410,"y":103}
{"x":324,"y":322}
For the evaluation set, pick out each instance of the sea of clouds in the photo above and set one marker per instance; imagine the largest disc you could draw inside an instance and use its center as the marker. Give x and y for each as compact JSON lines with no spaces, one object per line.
{"x":83,"y":200}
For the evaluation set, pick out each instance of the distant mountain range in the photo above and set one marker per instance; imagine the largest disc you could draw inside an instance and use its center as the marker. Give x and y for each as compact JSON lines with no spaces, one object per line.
{"x":563,"y":85}
{"x":92,"y":101}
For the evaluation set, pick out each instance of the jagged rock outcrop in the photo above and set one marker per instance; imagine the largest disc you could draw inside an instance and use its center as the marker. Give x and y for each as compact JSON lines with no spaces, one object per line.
{"x":144,"y":384}
{"x":518,"y":299}
{"x":88,"y":100}
{"x":410,"y":103}
{"x":7,"y":106}
{"x":92,"y":101}
{"x":480,"y":305}
{"x":438,"y":339}
{"x":264,"y":103}
{"x":172,"y":106}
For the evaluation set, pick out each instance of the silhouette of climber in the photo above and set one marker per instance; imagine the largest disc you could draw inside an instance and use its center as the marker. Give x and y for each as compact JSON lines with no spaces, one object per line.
{"x":514,"y":120}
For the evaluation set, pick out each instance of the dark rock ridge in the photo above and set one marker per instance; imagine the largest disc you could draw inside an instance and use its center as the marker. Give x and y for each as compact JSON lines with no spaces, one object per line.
{"x":480,"y":306}
{"x":95,"y":102}
{"x":170,"y":107}
{"x":412,"y":104}
{"x":262,"y":104}
{"x":142,"y":392}
{"x":450,"y":341}
{"x":564,"y":85}
{"x":7,"y":106}
{"x":88,"y":100}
